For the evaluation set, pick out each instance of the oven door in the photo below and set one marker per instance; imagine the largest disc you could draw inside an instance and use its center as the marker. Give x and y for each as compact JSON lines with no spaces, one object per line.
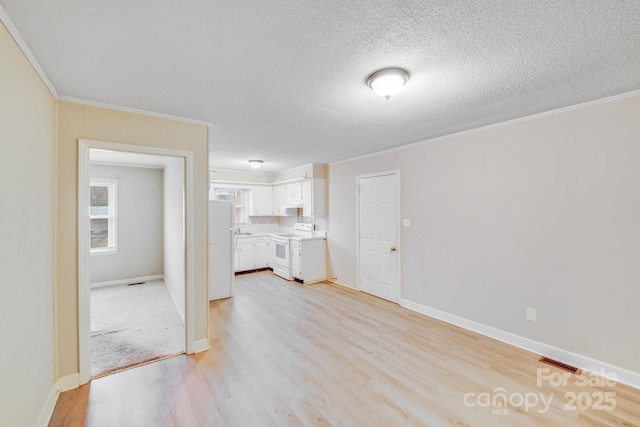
{"x":281,"y":261}
{"x":281,"y":253}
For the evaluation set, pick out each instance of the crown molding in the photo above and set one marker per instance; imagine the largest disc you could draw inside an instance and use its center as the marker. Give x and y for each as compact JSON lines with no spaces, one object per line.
{"x":13,"y":31}
{"x":496,"y":125}
{"x":133,"y":110}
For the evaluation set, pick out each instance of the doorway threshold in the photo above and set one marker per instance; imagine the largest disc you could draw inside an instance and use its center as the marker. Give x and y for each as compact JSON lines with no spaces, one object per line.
{"x":135,"y":365}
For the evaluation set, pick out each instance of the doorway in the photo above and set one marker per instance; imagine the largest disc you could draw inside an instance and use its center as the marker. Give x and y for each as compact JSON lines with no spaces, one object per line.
{"x":378,"y":235}
{"x":177,"y":239}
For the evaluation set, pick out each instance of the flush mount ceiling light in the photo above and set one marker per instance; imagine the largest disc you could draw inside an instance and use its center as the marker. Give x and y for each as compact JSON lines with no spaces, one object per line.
{"x":387,"y":82}
{"x":255,"y":163}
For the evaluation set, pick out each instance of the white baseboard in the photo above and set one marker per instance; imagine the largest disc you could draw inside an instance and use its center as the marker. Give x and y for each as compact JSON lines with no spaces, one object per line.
{"x":341,"y":284}
{"x":127,"y":281}
{"x":624,"y":376}
{"x":49,"y":405}
{"x":179,"y":308}
{"x":62,"y":384}
{"x":68,"y":383}
{"x":200,"y":345}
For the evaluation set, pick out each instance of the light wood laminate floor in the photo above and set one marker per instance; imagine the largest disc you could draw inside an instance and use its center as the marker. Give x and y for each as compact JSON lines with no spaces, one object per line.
{"x":287,"y":354}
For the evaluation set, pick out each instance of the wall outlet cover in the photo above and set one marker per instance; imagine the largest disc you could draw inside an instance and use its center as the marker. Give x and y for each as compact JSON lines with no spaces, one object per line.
{"x":406,"y":222}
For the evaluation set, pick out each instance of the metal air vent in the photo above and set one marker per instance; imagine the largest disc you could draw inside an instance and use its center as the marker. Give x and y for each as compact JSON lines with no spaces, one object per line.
{"x":561,"y":365}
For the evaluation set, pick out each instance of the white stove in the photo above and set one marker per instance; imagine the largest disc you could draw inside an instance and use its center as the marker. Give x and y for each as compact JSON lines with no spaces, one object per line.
{"x":281,"y":259}
{"x":282,"y":247}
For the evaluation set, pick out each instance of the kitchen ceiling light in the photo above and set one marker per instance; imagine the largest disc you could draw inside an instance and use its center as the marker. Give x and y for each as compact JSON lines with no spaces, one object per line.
{"x":387,"y":82}
{"x":255,"y":163}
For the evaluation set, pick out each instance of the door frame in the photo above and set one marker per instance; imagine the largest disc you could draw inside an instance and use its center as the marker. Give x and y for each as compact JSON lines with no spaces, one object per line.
{"x":395,"y":172}
{"x":84,"y":291}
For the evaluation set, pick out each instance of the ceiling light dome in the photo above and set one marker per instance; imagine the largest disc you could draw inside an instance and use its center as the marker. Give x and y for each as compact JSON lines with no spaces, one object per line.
{"x":387,"y":82}
{"x":255,"y":163}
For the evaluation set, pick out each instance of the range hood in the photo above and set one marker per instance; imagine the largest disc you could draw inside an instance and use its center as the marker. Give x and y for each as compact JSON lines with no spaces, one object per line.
{"x":292,"y":209}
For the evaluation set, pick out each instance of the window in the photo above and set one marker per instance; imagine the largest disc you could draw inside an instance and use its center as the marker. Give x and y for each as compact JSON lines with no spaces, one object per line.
{"x":102,"y":214}
{"x":240,"y":200}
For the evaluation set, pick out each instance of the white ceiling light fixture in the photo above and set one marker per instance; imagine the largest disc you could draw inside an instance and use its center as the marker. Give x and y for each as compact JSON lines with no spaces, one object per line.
{"x":387,"y":82}
{"x":255,"y":163}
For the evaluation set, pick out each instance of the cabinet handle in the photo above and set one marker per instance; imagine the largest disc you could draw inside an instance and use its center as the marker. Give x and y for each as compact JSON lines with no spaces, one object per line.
{"x":393,"y":249}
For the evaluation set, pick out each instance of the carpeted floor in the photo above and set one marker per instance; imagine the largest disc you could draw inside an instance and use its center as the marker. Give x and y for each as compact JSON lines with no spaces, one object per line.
{"x":133,"y":324}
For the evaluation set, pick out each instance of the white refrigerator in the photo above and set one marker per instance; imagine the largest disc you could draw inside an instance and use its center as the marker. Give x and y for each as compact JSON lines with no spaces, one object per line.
{"x":221,"y":249}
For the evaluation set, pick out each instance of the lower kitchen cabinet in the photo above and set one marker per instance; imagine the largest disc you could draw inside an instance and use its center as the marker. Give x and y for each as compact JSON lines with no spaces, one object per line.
{"x":252,"y":253}
{"x":262,"y":254}
{"x":245,"y":256}
{"x":308,"y":260}
{"x":270,"y":253}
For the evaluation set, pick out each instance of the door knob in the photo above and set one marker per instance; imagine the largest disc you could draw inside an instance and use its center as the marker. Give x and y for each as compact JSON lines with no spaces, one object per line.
{"x":393,"y":249}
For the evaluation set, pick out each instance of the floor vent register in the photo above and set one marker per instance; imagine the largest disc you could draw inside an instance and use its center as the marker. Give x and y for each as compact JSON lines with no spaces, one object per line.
{"x":560,"y":365}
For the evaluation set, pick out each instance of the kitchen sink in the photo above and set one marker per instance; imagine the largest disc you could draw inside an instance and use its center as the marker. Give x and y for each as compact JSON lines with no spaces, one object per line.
{"x":245,"y":234}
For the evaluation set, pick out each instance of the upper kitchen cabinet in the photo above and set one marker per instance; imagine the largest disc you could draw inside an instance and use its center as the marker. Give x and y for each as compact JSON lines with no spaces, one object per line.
{"x":261,"y":200}
{"x":298,"y":190}
{"x":278,"y":200}
{"x":293,"y":193}
{"x":307,"y":193}
{"x":313,"y":197}
{"x":307,"y":198}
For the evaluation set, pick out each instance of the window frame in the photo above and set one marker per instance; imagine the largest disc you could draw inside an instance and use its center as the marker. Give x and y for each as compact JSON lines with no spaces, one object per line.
{"x":112,"y":217}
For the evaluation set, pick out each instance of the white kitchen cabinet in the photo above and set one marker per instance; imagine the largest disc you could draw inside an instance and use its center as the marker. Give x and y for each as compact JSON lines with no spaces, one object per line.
{"x":278,"y":200}
{"x":262,"y":254}
{"x":307,"y":198}
{"x":308,"y":260}
{"x":273,"y":199}
{"x":252,"y":253}
{"x":245,"y":256}
{"x":313,"y":197}
{"x":293,"y":192}
{"x":269,"y":246}
{"x":294,"y":254}
{"x":261,"y":200}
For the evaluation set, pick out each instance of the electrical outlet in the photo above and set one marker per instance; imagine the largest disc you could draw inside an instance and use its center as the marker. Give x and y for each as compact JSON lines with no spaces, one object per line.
{"x":531,"y":314}
{"x":406,"y":222}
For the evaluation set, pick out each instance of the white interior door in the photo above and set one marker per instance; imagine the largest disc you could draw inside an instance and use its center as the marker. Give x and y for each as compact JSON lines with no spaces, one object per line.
{"x":378,"y":236}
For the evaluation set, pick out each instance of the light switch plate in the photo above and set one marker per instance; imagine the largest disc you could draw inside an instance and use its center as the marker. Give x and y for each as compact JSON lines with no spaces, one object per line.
{"x":531,"y":314}
{"x":406,"y":222}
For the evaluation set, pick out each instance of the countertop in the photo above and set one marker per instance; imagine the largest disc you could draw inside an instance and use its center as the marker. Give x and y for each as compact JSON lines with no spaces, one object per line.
{"x":306,"y":236}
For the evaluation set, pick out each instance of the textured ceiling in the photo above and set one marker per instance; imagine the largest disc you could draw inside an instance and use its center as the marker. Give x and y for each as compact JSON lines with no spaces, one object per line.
{"x":284,"y":81}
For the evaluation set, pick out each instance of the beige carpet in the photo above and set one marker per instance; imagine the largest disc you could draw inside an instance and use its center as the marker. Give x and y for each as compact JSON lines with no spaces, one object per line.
{"x":132,"y":325}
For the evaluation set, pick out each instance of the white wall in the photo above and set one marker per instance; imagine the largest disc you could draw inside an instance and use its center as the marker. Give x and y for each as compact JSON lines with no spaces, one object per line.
{"x":174,"y":233}
{"x":541,"y":213}
{"x":27,"y":179}
{"x":77,"y":121}
{"x":139,"y":225}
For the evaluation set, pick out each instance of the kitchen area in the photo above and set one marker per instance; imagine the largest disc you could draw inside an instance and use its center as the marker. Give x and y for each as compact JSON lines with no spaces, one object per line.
{"x":273,"y":221}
